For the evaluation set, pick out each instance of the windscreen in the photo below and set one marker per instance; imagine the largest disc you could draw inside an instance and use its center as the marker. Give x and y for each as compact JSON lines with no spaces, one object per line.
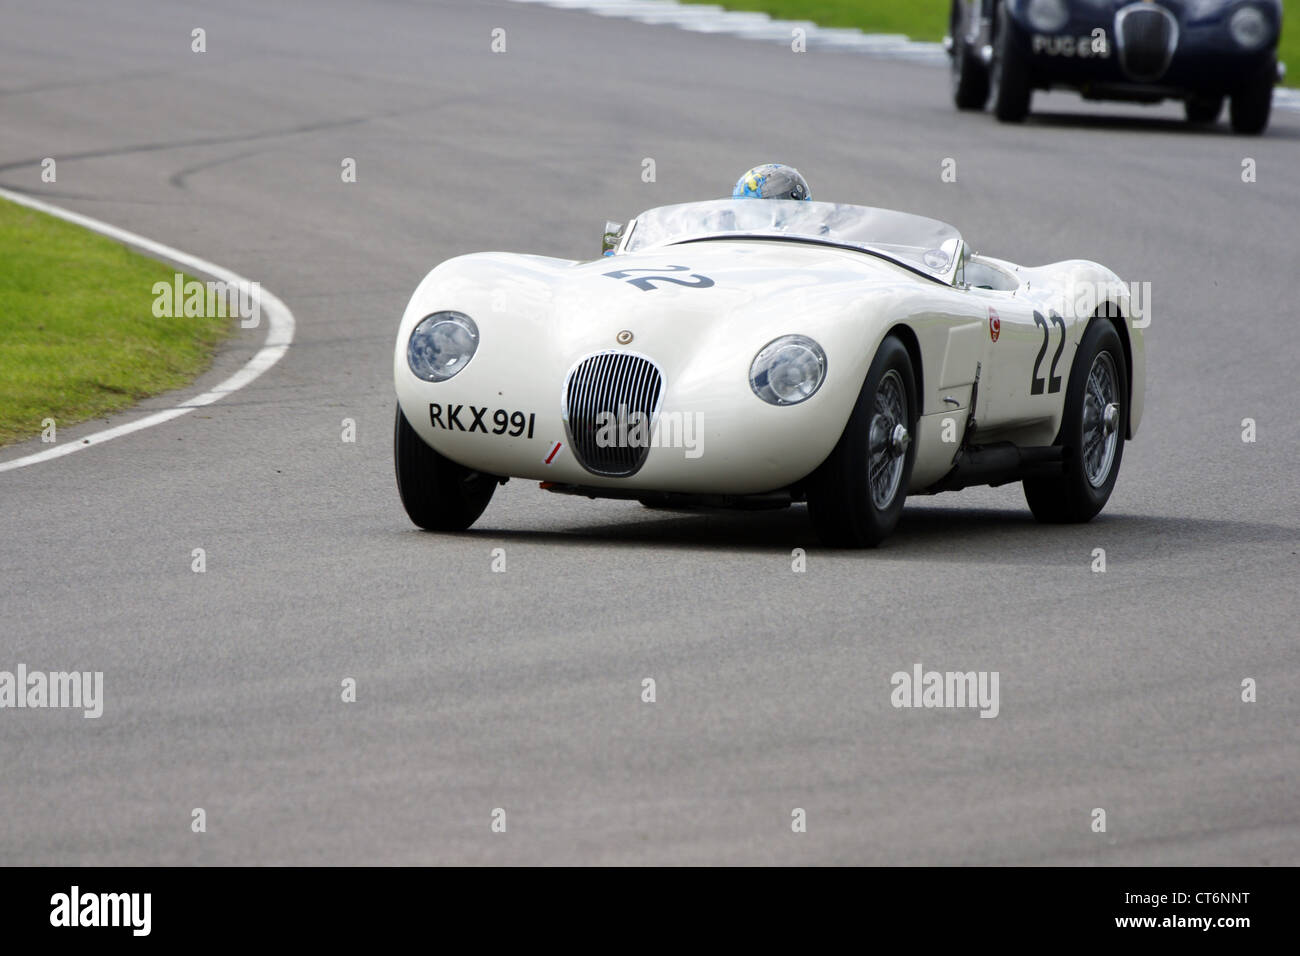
{"x":927,"y":245}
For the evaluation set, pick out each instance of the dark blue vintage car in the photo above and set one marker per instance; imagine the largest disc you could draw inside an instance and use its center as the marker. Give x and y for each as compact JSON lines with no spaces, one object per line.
{"x":1198,"y":51}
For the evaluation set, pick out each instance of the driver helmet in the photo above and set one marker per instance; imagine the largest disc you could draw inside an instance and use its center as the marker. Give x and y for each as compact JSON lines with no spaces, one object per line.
{"x":772,"y":181}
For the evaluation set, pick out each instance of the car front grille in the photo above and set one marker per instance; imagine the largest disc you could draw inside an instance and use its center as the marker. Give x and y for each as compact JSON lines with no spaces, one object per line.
{"x":611,"y":389}
{"x":1146,"y":36}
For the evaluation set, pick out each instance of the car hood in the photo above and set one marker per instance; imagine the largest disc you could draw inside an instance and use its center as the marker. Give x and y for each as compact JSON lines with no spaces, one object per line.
{"x":685,"y":286}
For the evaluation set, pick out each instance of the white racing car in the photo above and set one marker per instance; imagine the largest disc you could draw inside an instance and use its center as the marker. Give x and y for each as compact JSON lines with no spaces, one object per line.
{"x":744,"y":353}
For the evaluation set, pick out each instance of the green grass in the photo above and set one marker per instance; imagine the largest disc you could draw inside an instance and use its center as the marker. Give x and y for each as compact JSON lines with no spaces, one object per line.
{"x":928,"y":19}
{"x":78,"y":337}
{"x":919,"y":19}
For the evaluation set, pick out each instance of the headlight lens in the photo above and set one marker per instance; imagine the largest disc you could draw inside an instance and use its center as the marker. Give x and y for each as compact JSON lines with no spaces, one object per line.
{"x":1249,"y":28}
{"x":788,"y":370}
{"x":1047,"y":16}
{"x":441,"y":345}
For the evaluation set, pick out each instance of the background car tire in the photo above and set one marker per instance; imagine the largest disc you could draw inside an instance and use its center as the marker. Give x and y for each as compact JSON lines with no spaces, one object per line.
{"x":1073,"y":498}
{"x":663,"y":503}
{"x":1010,"y":75}
{"x":970,"y":77}
{"x":437,"y":493}
{"x":1203,"y":110}
{"x":1252,"y":103}
{"x":840,"y":500}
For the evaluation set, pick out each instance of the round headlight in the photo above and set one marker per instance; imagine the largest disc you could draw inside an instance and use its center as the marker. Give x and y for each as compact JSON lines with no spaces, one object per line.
{"x":1047,"y":16}
{"x":788,"y":370}
{"x":441,"y":345}
{"x":1249,"y":28}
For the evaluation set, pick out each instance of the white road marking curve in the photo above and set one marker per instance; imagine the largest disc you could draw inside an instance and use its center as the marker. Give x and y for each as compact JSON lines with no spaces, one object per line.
{"x":279,"y":334}
{"x":760,"y":26}
{"x":755,"y":26}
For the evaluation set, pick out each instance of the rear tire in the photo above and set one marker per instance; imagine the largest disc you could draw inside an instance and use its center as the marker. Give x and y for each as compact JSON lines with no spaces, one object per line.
{"x":437,"y":493}
{"x":856,"y":497}
{"x":1010,"y":75}
{"x":1098,"y":379}
{"x":1252,"y":103}
{"x":970,"y":77}
{"x":1203,"y":110}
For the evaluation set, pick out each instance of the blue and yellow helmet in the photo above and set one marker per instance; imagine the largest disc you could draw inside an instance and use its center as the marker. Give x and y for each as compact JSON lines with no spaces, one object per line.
{"x":772,"y":181}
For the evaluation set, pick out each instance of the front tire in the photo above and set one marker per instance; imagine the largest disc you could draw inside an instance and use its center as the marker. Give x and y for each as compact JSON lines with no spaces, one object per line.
{"x":970,"y":77}
{"x":1012,"y":88}
{"x":856,"y":497}
{"x":1092,"y":432}
{"x":437,"y":493}
{"x":1252,"y":103}
{"x":1203,"y":110}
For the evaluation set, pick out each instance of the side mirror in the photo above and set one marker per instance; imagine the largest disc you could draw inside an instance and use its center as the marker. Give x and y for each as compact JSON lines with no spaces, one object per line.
{"x":951,"y":257}
{"x":963,"y":259}
{"x":613,"y":236}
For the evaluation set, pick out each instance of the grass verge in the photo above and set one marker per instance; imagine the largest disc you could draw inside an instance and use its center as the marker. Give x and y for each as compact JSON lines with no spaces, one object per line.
{"x":78,"y":337}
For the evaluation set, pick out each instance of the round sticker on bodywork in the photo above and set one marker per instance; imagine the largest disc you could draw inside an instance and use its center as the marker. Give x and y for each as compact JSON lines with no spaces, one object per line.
{"x":995,"y":324}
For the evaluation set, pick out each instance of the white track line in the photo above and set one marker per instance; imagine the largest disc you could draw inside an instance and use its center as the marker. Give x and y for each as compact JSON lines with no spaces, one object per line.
{"x":279,"y":334}
{"x":760,"y":26}
{"x":755,"y":26}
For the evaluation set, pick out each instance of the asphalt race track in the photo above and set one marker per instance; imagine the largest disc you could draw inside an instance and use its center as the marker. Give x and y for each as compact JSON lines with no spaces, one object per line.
{"x":522,"y":690}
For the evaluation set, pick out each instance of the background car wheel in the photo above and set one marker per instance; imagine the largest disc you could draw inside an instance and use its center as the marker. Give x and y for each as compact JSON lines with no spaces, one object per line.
{"x":1253,"y":101}
{"x":1010,"y":79}
{"x":438,"y":494}
{"x":1092,"y":433}
{"x":970,"y":77}
{"x":856,"y":497}
{"x":1203,"y":110}
{"x":662,"y":503}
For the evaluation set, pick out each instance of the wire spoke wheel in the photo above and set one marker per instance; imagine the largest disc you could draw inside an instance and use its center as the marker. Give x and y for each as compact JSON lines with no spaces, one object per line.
{"x":1100,"y":420}
{"x":856,"y":496}
{"x":887,"y":444}
{"x":1093,"y":428}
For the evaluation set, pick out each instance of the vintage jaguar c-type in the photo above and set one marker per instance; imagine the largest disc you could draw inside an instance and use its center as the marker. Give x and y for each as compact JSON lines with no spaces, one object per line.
{"x":751,"y":353}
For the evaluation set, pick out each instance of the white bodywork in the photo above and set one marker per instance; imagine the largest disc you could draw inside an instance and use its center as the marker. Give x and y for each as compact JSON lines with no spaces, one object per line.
{"x":538,"y":317}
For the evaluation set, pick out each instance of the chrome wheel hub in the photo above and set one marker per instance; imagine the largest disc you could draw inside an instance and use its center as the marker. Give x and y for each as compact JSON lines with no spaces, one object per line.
{"x":1110,"y":418}
{"x":899,"y":440}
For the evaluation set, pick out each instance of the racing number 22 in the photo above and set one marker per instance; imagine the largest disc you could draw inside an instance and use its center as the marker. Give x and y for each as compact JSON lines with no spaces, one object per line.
{"x":646,"y":283}
{"x":1054,"y":381}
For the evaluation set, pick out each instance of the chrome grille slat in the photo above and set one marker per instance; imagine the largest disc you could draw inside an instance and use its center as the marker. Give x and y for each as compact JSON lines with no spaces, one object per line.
{"x":619,"y":399}
{"x":599,"y":376}
{"x":628,"y":387}
{"x":607,"y":392}
{"x":611,"y":382}
{"x":591,"y":401}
